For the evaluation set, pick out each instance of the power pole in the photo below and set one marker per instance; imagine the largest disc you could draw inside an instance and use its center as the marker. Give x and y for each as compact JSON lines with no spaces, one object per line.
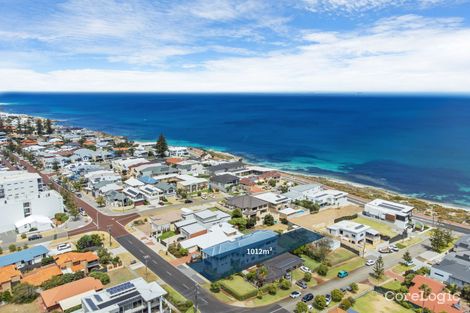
{"x":109,"y":232}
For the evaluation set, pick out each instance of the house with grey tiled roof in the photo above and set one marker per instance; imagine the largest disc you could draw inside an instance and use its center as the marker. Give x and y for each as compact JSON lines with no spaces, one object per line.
{"x":455,"y":267}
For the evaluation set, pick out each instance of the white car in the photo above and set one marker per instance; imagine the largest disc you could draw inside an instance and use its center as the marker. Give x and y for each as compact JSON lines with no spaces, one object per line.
{"x":410,"y":263}
{"x":64,"y":246}
{"x":370,"y":262}
{"x":295,"y":294}
{"x":394,"y":248}
{"x":305,"y":269}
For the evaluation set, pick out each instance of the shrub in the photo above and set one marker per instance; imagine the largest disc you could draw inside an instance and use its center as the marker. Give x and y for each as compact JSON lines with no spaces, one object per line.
{"x":345,"y":304}
{"x":6,"y":296}
{"x":285,"y":284}
{"x":23,"y":236}
{"x":89,"y":241}
{"x":336,"y":295}
{"x":24,"y":293}
{"x":272,"y":289}
{"x":1,"y":250}
{"x":62,"y":280}
{"x":284,"y":220}
{"x":322,"y":270}
{"x":215,"y":287}
{"x":301,"y":307}
{"x":103,"y":277}
{"x":12,"y":248}
{"x":47,"y":260}
{"x":268,"y":220}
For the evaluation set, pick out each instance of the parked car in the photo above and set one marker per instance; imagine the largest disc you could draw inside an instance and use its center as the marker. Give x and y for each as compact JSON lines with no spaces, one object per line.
{"x":393,"y":248}
{"x":328,"y":299}
{"x":308,"y":297}
{"x":410,"y":263}
{"x":288,"y":276}
{"x":133,"y":262}
{"x":302,"y":284}
{"x":295,"y":294}
{"x":305,"y":269}
{"x":188,"y":201}
{"x":370,"y":262}
{"x":342,"y":274}
{"x":34,"y":237}
{"x":64,"y":246}
{"x":79,"y":195}
{"x":385,"y":250}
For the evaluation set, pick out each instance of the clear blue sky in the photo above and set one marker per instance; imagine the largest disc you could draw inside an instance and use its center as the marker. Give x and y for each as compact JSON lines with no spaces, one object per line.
{"x":224,"y":45}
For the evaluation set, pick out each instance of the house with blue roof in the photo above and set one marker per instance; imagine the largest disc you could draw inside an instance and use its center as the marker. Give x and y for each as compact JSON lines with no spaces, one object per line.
{"x":147,"y":180}
{"x":242,"y":252}
{"x":24,"y":257}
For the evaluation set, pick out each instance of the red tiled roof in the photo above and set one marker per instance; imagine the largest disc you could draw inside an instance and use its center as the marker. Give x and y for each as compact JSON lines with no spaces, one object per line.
{"x":51,"y":297}
{"x":437,"y":301}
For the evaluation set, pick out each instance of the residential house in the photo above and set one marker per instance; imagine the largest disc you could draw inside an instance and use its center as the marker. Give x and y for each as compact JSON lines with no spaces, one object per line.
{"x":164,"y":222}
{"x":77,"y":261}
{"x":250,"y":206}
{"x":455,"y":267}
{"x":151,"y":193}
{"x":153,"y":169}
{"x":122,"y":166}
{"x":437,"y":301}
{"x":280,"y":265}
{"x":354,"y":232}
{"x":216,"y":234}
{"x":137,"y":296}
{"x":25,"y":258}
{"x":40,"y":275}
{"x":133,"y":182}
{"x":224,"y":182}
{"x":67,"y":296}
{"x":190,"y":167}
{"x":35,"y":222}
{"x":116,"y":198}
{"x":396,"y":213}
{"x":100,"y":176}
{"x":191,"y":183}
{"x":169,"y":190}
{"x":9,"y":276}
{"x":276,"y":201}
{"x":225,"y":167}
{"x":175,"y":151}
{"x":134,"y":195}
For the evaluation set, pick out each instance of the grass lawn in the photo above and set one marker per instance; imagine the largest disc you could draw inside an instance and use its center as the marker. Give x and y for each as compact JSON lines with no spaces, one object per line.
{"x":33,"y":307}
{"x":166,"y":235}
{"x":150,"y":275}
{"x":348,"y":266}
{"x":400,"y":268}
{"x":340,"y":255}
{"x":409,"y":242}
{"x":392,"y":285}
{"x":374,"y":302}
{"x":379,"y":226}
{"x":176,"y":297}
{"x":309,"y":262}
{"x":119,"y":276}
{"x":238,"y":287}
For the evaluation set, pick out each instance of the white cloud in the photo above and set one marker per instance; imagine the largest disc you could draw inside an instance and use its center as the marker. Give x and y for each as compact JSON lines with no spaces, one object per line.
{"x":431,"y":55}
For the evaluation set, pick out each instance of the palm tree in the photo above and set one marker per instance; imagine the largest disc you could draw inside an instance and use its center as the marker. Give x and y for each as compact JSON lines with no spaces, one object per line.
{"x":426,"y":290}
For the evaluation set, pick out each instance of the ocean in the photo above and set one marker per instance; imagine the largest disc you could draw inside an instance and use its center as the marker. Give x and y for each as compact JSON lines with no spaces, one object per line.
{"x":413,"y":144}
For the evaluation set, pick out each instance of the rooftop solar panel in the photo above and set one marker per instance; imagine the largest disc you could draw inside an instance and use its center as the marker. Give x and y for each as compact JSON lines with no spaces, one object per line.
{"x":91,"y":304}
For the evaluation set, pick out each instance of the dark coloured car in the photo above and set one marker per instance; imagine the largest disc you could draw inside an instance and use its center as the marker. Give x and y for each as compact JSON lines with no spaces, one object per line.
{"x":308,"y":297}
{"x":188,"y":201}
{"x":34,"y":237}
{"x":302,"y":284}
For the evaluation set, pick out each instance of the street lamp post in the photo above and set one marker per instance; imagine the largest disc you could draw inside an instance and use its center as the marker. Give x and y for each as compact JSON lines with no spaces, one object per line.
{"x":146,"y":257}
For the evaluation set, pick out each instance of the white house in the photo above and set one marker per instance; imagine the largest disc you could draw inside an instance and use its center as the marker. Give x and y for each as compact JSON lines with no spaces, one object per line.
{"x":190,"y":167}
{"x":122,"y":165}
{"x":175,"y":151}
{"x":101,"y":176}
{"x":316,"y":193}
{"x":191,"y":183}
{"x":396,"y":213}
{"x":275,"y":200}
{"x":354,"y":232}
{"x":23,"y":194}
{"x":35,"y":222}
{"x":151,"y":193}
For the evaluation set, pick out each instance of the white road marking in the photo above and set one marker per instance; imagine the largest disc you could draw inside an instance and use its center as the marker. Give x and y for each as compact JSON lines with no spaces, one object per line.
{"x":184,"y":285}
{"x":169,"y":273}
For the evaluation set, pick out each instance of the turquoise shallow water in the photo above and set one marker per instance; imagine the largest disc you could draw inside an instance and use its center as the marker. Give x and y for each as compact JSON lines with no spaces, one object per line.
{"x":413,"y":144}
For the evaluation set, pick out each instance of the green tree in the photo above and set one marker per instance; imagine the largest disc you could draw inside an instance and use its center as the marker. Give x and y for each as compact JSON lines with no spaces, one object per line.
{"x":12,"y":248}
{"x":320,"y":249}
{"x":39,"y":127}
{"x":354,"y":287}
{"x":320,"y":302}
{"x":100,"y":201}
{"x":347,"y":303}
{"x":261,"y":273}
{"x":215,"y":287}
{"x":337,"y":295}
{"x":268,"y":220}
{"x":307,"y":276}
{"x":251,"y":222}
{"x":24,"y":293}
{"x":272,"y":289}
{"x":272,"y":183}
{"x":285,"y":284}
{"x":55,"y":166}
{"x":103,"y":277}
{"x":379,"y":268}
{"x":47,"y":260}
{"x":161,"y":146}
{"x":440,"y":239}
{"x":301,"y":307}
{"x":465,"y":292}
{"x":322,"y":269}
{"x":426,"y":290}
{"x":6,"y":296}
{"x":407,"y":257}
{"x":237,"y":213}
{"x":48,"y":125}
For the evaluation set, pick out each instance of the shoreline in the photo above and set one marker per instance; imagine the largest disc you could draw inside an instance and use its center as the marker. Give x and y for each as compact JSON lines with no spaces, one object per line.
{"x":319,"y":178}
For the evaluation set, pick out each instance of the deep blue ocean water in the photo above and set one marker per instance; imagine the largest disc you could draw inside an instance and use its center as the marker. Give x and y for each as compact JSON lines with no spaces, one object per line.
{"x":413,"y":144}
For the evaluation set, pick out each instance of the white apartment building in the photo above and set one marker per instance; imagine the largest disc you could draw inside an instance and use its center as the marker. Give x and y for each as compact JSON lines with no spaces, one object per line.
{"x":23,"y":194}
{"x":175,"y":151}
{"x":316,"y":193}
{"x":122,"y":165}
{"x":354,"y":232}
{"x":396,"y":213}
